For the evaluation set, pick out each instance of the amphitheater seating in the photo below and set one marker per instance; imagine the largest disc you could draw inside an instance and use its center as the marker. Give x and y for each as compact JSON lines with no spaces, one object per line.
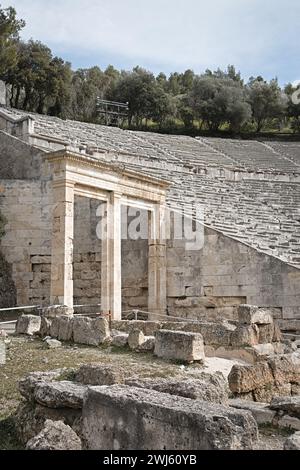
{"x":260,"y":211}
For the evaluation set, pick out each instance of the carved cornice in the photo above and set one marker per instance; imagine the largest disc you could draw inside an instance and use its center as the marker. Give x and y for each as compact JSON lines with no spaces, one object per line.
{"x":85,"y":160}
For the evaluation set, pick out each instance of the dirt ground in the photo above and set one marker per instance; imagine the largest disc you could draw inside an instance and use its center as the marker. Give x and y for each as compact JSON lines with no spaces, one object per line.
{"x":26,"y":355}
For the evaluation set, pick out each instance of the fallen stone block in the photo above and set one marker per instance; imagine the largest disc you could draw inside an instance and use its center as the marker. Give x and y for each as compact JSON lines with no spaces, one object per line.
{"x":45,"y":327}
{"x":262,"y":351}
{"x":55,"y":436}
{"x":249,"y":314}
{"x":208,"y":387}
{"x":289,"y":422}
{"x":30,"y":419}
{"x":290,"y":405}
{"x":147,"y":327}
{"x":265,"y":333}
{"x":243,"y":379}
{"x":28,"y":325}
{"x":214,"y":334}
{"x":135,"y":339}
{"x":127,"y":418}
{"x":62,"y":394}
{"x":99,"y":374}
{"x":179,"y":345}
{"x":53,"y":343}
{"x":57,"y":311}
{"x":268,"y":392}
{"x":120,"y":341}
{"x":65,"y":327}
{"x":244,"y":336}
{"x":293,"y":442}
{"x":286,"y":368}
{"x":91,"y":332}
{"x":28,"y":384}
{"x":261,"y":412}
{"x":148,"y":345}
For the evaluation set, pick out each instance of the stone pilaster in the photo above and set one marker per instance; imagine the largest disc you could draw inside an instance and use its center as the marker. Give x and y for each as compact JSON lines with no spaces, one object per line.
{"x":62,"y":244}
{"x":157,"y":271}
{"x":111,"y":297}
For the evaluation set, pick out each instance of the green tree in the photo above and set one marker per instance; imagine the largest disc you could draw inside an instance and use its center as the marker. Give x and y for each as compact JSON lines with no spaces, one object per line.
{"x":293,"y":106}
{"x":218,"y":101}
{"x":267,"y":101}
{"x":10,"y":27}
{"x":39,"y":82}
{"x":137,"y":88}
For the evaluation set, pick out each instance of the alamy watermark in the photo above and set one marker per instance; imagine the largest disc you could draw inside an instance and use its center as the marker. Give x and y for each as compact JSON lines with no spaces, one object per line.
{"x":184,"y":223}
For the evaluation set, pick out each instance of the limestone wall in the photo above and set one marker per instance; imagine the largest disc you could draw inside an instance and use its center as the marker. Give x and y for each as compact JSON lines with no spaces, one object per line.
{"x":211,"y":282}
{"x":26,"y":244}
{"x":18,"y":160}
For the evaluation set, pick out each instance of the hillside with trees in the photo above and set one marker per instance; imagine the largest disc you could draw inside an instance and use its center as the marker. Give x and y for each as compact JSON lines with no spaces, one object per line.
{"x":212,"y":102}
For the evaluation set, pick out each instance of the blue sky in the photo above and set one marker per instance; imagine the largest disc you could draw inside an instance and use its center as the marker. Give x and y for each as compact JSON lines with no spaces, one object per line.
{"x":257,"y":36}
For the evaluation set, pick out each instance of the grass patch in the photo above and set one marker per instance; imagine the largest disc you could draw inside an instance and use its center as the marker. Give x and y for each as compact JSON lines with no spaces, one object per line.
{"x":269,"y":430}
{"x":8,"y":435}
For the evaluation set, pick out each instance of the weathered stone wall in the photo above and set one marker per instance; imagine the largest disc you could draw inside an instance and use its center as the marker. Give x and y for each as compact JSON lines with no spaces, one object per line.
{"x":19,"y":160}
{"x":212,"y":282}
{"x":7,"y":286}
{"x":26,"y":243}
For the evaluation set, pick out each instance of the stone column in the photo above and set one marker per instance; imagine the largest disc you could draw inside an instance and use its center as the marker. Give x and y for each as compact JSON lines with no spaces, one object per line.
{"x":157,"y":270}
{"x":111,"y":283}
{"x":62,"y":244}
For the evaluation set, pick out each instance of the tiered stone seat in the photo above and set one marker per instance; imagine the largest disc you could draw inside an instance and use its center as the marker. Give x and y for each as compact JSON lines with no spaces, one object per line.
{"x":253,"y":155}
{"x":263,"y":213}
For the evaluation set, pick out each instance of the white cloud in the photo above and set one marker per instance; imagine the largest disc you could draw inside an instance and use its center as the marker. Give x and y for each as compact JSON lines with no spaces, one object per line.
{"x":190,"y":33}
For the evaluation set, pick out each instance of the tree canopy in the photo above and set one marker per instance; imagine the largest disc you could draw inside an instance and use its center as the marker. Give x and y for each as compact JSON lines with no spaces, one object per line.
{"x":213,"y":101}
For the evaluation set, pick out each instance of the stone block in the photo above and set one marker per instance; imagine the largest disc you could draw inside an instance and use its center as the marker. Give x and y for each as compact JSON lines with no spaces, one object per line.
{"x":207,"y":387}
{"x":127,"y":418}
{"x":45,"y":327}
{"x":289,"y":422}
{"x":285,"y":368}
{"x":30,"y":419}
{"x":135,"y":339}
{"x":249,"y":314}
{"x":120,"y":341}
{"x":148,"y":345}
{"x":92,"y":332}
{"x":56,"y":311}
{"x":62,"y":394}
{"x":179,"y":345}
{"x":65,"y":328}
{"x":147,"y":327}
{"x":243,"y":379}
{"x":268,"y":392}
{"x":293,"y":442}
{"x":28,"y":325}
{"x":290,"y":405}
{"x":28,"y":384}
{"x":261,"y":412}
{"x":244,"y":336}
{"x":99,"y":374}
{"x":53,"y":343}
{"x":55,"y":436}
{"x":265,"y":333}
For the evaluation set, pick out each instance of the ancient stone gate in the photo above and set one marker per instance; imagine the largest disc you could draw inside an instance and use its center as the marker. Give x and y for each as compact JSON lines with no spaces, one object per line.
{"x":76,"y":174}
